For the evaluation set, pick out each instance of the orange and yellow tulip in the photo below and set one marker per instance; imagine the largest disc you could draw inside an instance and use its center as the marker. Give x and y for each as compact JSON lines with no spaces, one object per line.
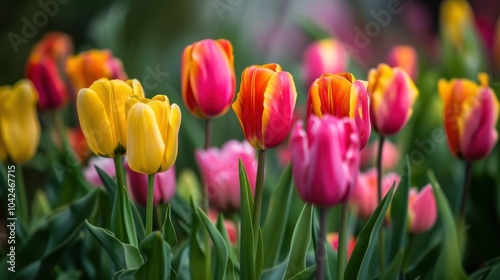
{"x":264,"y":105}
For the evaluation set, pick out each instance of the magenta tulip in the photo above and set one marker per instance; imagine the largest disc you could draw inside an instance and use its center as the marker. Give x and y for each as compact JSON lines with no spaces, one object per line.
{"x":219,"y":169}
{"x":325,"y":159}
{"x":421,"y":209}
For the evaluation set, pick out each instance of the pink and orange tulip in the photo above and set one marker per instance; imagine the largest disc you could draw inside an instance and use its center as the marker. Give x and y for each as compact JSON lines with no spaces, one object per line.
{"x":404,"y":56}
{"x":44,"y":66}
{"x":325,"y":160}
{"x":325,"y":56}
{"x":392,"y":94}
{"x":219,"y":169}
{"x":470,"y":117}
{"x":86,"y":67}
{"x":264,"y":105}
{"x":421,"y":209}
{"x":208,"y":79}
{"x":340,"y":95}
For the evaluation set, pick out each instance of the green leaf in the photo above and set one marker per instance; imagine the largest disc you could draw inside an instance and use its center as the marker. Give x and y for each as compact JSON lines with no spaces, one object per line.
{"x":392,"y":271}
{"x":44,"y":246}
{"x":158,"y":258}
{"x":127,"y":274}
{"x":277,"y":217}
{"x":422,"y":266}
{"x":259,"y":256}
{"x":197,"y":257}
{"x":448,"y":265}
{"x":301,"y":239}
{"x":275,"y":272}
{"x":122,"y":218}
{"x":306,"y":274}
{"x":357,"y":267}
{"x":169,"y":234}
{"x":495,"y":273}
{"x":399,"y":212}
{"x":108,"y":182}
{"x":41,"y":205}
{"x":219,"y":244}
{"x":247,"y":248}
{"x":123,"y":256}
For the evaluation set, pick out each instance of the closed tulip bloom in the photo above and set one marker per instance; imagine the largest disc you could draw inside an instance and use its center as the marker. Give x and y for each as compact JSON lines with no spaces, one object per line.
{"x":44,"y":67}
{"x":86,"y":67}
{"x":264,"y":105}
{"x":219,"y":169}
{"x":101,"y":111}
{"x":164,"y":186}
{"x":392,"y":94}
{"x":153,"y":129}
{"x":341,"y":95}
{"x":456,"y":20}
{"x":208,"y":79}
{"x":470,"y":117}
{"x":404,"y":56}
{"x":19,"y":125}
{"x":364,"y":197}
{"x":421,"y":209}
{"x":325,"y":56}
{"x":325,"y":160}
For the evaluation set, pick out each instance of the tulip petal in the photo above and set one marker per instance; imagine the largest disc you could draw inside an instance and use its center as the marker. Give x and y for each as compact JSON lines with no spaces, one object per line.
{"x":424,"y":210}
{"x":145,"y":140}
{"x":19,"y":126}
{"x":360,"y":111}
{"x":171,"y":144}
{"x":300,"y":157}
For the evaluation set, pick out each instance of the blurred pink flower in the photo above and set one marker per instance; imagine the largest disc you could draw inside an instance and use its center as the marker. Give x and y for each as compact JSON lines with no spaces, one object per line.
{"x":219,"y":169}
{"x":164,"y":187}
{"x":333,"y":239}
{"x":325,"y":56}
{"x":404,"y":56}
{"x":228,"y":224}
{"x":390,"y":155}
{"x":422,"y":210}
{"x":90,"y":173}
{"x":364,"y":197}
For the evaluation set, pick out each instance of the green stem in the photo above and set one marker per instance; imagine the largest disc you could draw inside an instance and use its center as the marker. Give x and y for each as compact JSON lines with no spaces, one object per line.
{"x":342,"y":249}
{"x":208,"y":137}
{"x":124,"y":231}
{"x":379,"y":198}
{"x":159,"y":217}
{"x":465,"y":190}
{"x":408,"y":252}
{"x":320,"y":248}
{"x":21,"y":190}
{"x":259,"y":189}
{"x":149,"y":205}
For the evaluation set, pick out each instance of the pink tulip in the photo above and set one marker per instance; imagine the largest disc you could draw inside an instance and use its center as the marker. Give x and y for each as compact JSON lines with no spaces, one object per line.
{"x":325,"y":56}
{"x":228,"y":224}
{"x":164,"y":187}
{"x":390,"y":155}
{"x":219,"y":169}
{"x":404,"y":56}
{"x":325,"y":159}
{"x":364,"y":197}
{"x":90,"y":173}
{"x":421,"y":209}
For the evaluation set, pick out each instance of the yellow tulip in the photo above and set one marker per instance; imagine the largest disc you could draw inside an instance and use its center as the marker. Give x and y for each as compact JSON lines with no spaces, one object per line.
{"x":19,"y":125}
{"x":101,"y":111}
{"x":153,"y":129}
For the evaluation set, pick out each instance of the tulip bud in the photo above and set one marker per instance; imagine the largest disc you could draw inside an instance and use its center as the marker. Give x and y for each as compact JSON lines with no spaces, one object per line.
{"x":470,"y":117}
{"x":164,"y":186}
{"x":44,"y":67}
{"x":208,"y":79}
{"x":232,"y":233}
{"x":405,"y":57}
{"x":340,"y":95}
{"x":325,"y":160}
{"x":101,"y":111}
{"x":19,"y":125}
{"x":153,"y":129}
{"x":90,"y":173}
{"x":264,"y":106}
{"x":325,"y":56}
{"x":421,"y":209}
{"x":219,"y":169}
{"x":392,"y":94}
{"x":364,"y":197}
{"x":86,"y":67}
